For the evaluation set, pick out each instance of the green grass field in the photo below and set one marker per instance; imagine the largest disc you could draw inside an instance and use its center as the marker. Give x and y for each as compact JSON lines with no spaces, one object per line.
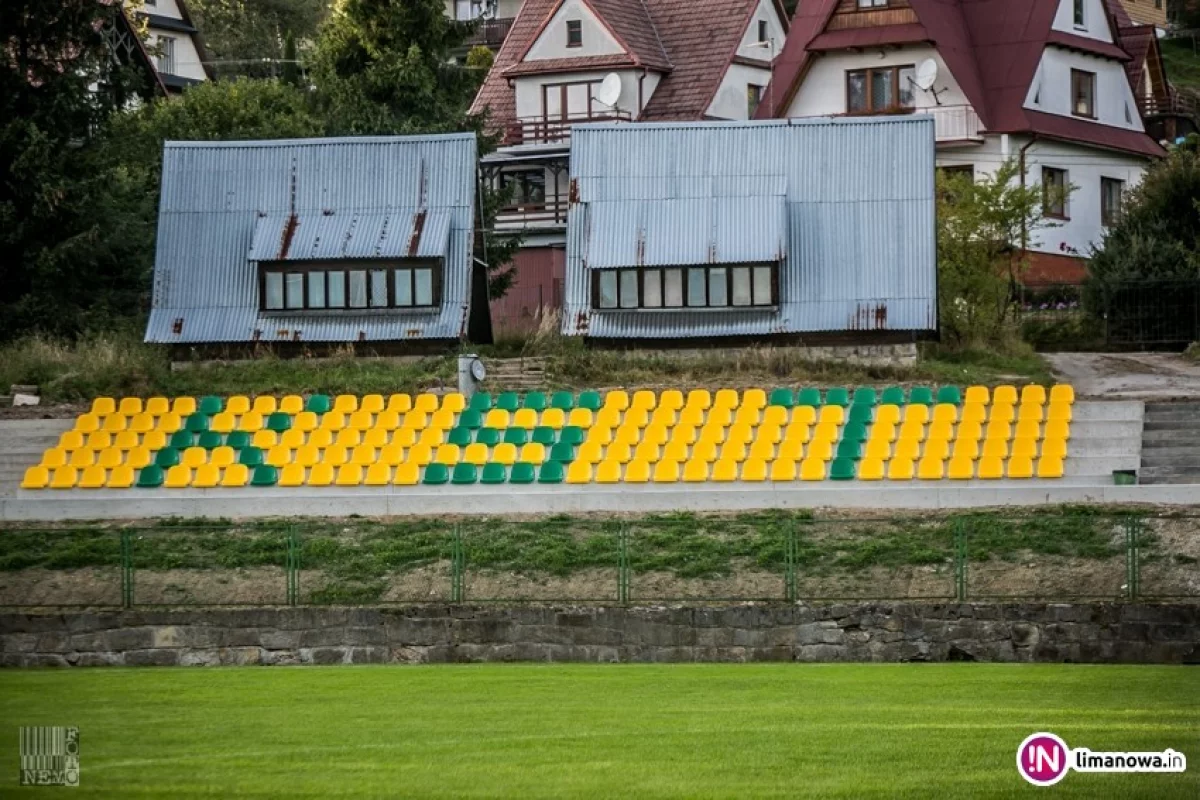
{"x":588,"y":730}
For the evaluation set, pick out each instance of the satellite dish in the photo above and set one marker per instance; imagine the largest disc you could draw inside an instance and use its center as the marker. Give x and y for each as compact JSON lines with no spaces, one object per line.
{"x":610,"y":90}
{"x":478,"y":371}
{"x":927,"y":73}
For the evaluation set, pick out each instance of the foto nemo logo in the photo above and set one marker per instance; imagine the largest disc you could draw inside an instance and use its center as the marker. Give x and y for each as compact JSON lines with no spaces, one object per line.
{"x":1042,"y":759}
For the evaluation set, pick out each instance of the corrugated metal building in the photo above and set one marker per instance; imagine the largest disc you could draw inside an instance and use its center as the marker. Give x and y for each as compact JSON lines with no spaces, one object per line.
{"x":700,"y":230}
{"x":362,"y":239}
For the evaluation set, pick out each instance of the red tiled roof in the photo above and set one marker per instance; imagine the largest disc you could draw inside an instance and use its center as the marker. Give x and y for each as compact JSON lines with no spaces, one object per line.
{"x":1056,"y":126}
{"x":809,"y":22}
{"x":1137,"y":41}
{"x":1084,"y":44}
{"x":870,"y":37}
{"x":694,"y":39}
{"x":544,"y":65}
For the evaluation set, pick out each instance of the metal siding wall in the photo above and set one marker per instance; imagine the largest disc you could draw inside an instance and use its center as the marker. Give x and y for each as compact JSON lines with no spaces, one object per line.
{"x":214,"y":194}
{"x":861,"y":248}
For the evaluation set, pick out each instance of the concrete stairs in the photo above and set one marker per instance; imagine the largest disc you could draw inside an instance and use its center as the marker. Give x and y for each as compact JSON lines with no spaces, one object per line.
{"x":22,"y":443}
{"x":1171,"y":443}
{"x":1105,"y":436}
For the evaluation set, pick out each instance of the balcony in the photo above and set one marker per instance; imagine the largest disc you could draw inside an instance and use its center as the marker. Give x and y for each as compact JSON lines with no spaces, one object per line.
{"x":540,"y":214}
{"x":543,"y":130}
{"x":951,"y":124}
{"x":491,"y":33}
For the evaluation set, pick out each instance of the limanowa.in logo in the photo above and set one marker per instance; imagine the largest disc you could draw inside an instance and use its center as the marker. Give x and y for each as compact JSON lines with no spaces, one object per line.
{"x":1044,"y":759}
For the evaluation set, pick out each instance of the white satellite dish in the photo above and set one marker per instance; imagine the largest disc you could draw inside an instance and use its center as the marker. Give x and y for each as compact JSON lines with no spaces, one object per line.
{"x":927,"y":73}
{"x":609,"y":90}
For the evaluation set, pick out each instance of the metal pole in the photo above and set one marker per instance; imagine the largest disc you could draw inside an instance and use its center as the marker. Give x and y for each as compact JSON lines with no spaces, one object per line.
{"x":126,"y":569}
{"x":1132,"y":557}
{"x":456,"y":566}
{"x":960,"y":562}
{"x":293,"y":568}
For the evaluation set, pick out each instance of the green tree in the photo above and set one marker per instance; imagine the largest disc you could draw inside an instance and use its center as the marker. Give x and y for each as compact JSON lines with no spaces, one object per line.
{"x":249,"y":37}
{"x":981,"y":226}
{"x":290,"y":69}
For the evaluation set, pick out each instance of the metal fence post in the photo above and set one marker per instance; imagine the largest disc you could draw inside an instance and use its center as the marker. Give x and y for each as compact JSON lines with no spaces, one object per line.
{"x":1132,"y":557}
{"x":456,"y":566}
{"x":960,"y":561}
{"x":126,"y":569}
{"x":789,"y":563}
{"x":293,"y":568}
{"x":623,"y":565}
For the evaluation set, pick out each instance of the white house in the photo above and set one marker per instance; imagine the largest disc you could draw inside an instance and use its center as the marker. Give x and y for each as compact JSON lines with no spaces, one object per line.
{"x":174,"y":42}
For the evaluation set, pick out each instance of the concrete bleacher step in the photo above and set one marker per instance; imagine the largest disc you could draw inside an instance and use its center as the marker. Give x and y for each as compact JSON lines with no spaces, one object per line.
{"x":1171,"y":444}
{"x":22,"y":442}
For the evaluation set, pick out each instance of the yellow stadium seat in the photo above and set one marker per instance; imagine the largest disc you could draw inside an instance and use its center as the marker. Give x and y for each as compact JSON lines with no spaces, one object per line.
{"x":699,"y":398}
{"x":521,"y":418}
{"x":178,"y":477}
{"x":740,"y":433}
{"x":321,"y":474}
{"x":916,"y":413}
{"x":944,"y":412}
{"x":359,"y":421}
{"x":1023,"y":447}
{"x":718,"y":417}
{"x":637,"y":471}
{"x":655,"y":434}
{"x":391,"y":454}
{"x":643,"y":399}
{"x":704,"y":451}
{"x":647,"y":451}
{"x":812,"y":469}
{"x":901,"y":469}
{"x":432,"y":437}
{"x":671,"y":398}
{"x":497,"y":418}
{"x":362,"y":455}
{"x":974,"y":412}
{"x":348,"y":438}
{"x":870,"y":469}
{"x":754,"y":470}
{"x":237,"y":405}
{"x":376,"y":437}
{"x":70,"y":440}
{"x":348,"y":404}
{"x":141,"y":423}
{"x":621,"y":452}
{"x":913,"y":430}
{"x":553,"y":418}
{"x":819,"y":449}
{"x":695,"y":471}
{"x":931,"y":469}
{"x":725,"y":471}
{"x":790,"y":449}
{"x":1033,"y":394}
{"x":1057,"y":429}
{"x":349,"y":475}
{"x":666,"y":472}
{"x":505,"y":453}
{"x":83,"y":457}
{"x":825,"y":432}
{"x":533,"y":453}
{"x":92,"y":478}
{"x":454,"y":402}
{"x":206,"y":476}
{"x":887,"y":415}
{"x":977,"y":395}
{"x":831,"y":415}
{"x":1028,"y":429}
{"x":635,"y":418}
{"x":98,"y":440}
{"x":999,"y":430}
{"x":600,"y":435}
{"x":725,"y":398}
{"x":908,"y":449}
{"x":684,"y":434}
{"x":335,"y":455}
{"x":443,"y":419}
{"x":1002,"y":413}
{"x":733,"y":451}
{"x":184,"y":406}
{"x":769,"y":433}
{"x":414,"y":420}
{"x":675,"y":451}
{"x":1056,"y":448}
{"x":1050,"y":467}
{"x":304,"y":422}
{"x":714,"y":434}
{"x":277,"y":456}
{"x":103,"y":406}
{"x":115,"y":422}
{"x":110,"y":457}
{"x":129,"y":406}
{"x":1004,"y":395}
{"x":878,"y":449}
{"x":608,"y":471}
{"x":250,"y":422}
{"x":1030,"y":413}
{"x":1020,"y":467}
{"x":87,"y":423}
{"x":407,"y":474}
{"x":883,"y":431}
{"x":797,"y":431}
{"x":405,"y":437}
{"x":605,"y":417}
{"x":618,"y":400}
{"x":399,"y":403}
{"x":138,"y":457}
{"x":121,"y":477}
{"x":36,"y":478}
{"x":157,"y":406}
{"x":961,"y":469}
{"x":579,"y":472}
{"x":580,"y":417}
{"x":292,"y":404}
{"x":1062,"y":393}
{"x":754,"y":397}
{"x":806,"y":415}
{"x":64,"y":477}
{"x":222,"y":456}
{"x":762,"y":450}
{"x":306,"y":455}
{"x":1059,"y":412}
{"x":692,"y":415}
{"x":378,"y":474}
{"x":154,"y":440}
{"x":169,"y":423}
{"x":968,"y":430}
{"x":448,"y":454}
{"x":783,"y":469}
{"x":374,"y":403}
{"x":966,"y":449}
{"x":747,"y":415}
{"x":336,"y":420}
{"x":991,"y":468}
{"x":775,"y":415}
{"x":237,"y":475}
{"x":476,"y":454}
{"x":936,"y":448}
{"x":264,"y":439}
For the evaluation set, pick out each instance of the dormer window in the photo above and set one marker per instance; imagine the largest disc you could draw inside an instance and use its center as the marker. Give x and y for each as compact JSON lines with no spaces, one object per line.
{"x":864,"y":4}
{"x":1080,"y":21}
{"x":763,"y":32}
{"x":1083,"y":93}
{"x":574,"y":33}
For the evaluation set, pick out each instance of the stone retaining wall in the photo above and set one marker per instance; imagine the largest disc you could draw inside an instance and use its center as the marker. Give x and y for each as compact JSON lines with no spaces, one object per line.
{"x":1101,"y":632}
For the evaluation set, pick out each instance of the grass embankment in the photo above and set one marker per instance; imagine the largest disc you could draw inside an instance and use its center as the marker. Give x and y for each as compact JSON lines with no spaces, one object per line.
{"x":847,"y":731}
{"x":363,"y":561}
{"x":121,"y":365}
{"x":1182,"y":59}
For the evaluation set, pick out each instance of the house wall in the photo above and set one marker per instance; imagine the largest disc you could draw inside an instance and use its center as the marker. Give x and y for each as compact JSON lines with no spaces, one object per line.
{"x":730,"y":100}
{"x":1095,"y":22}
{"x":537,"y":290}
{"x":1147,"y":12}
{"x":505,"y":9}
{"x":552,"y":43}
{"x":765,"y":12}
{"x":1051,"y":85}
{"x":187,"y":57}
{"x":528,"y":90}
{"x":163,"y":8}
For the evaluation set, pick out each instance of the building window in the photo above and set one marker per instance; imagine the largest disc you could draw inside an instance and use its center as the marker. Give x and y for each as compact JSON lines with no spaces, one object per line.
{"x":1083,"y":93}
{"x":753,"y":98}
{"x":296,"y":286}
{"x":730,"y":286}
{"x":528,"y":187}
{"x":1054,"y":192}
{"x":872,"y":3}
{"x":166,"y":55}
{"x":1112,"y":192}
{"x":881,"y":90}
{"x":574,"y":33}
{"x":1080,"y":21}
{"x":467,"y":10}
{"x":763,"y":33}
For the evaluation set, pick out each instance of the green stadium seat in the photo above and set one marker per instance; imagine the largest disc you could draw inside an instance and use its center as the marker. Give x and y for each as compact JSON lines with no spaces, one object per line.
{"x":563,"y":452}
{"x":535,"y":401}
{"x":544,"y":435}
{"x":950,"y":394}
{"x":508,"y":401}
{"x":920,"y":396}
{"x":892,"y":396}
{"x":250,"y":456}
{"x":551,"y":472}
{"x":861,"y":414}
{"x":854,"y":432}
{"x":782,"y":396}
{"x":166,"y":458}
{"x":196,"y":423}
{"x":837,"y":396}
{"x":210,"y":440}
{"x":318,"y":404}
{"x":238,"y":439}
{"x":517,"y":436}
{"x":864,"y":396}
{"x":849,"y":449}
{"x":150,"y":477}
{"x":809,"y":397}
{"x":264,"y":475}
{"x":842,"y":469}
{"x":182,"y":440}
{"x":572,"y":434}
{"x":488,"y":436}
{"x":464,"y":474}
{"x":480,"y":402}
{"x":590,"y":400}
{"x":471,"y":418}
{"x":563,"y":400}
{"x":459,"y":436}
{"x":522,"y":472}
{"x":279,"y":422}
{"x":493,"y":473}
{"x":209,"y":405}
{"x":437,"y":474}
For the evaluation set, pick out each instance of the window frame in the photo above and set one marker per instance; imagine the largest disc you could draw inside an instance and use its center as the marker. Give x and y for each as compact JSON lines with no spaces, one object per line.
{"x":574,"y":32}
{"x":1079,"y":78}
{"x":390,"y":268}
{"x":1079,"y":14}
{"x":706,"y":283}
{"x":165,"y":63}
{"x":872,"y":5}
{"x":1065,"y":182}
{"x":1110,"y":216}
{"x":868,"y":74}
{"x":764,"y":31}
{"x":754,"y":95}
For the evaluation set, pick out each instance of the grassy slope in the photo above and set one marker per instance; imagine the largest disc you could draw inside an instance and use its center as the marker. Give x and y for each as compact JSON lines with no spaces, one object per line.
{"x":1182,"y":60}
{"x":588,"y":730}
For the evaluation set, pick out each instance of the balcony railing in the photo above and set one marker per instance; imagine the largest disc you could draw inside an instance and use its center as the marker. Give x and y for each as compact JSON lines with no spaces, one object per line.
{"x":950,"y":123}
{"x":542,"y":130}
{"x":550,"y":212}
{"x":1174,"y":104}
{"x":490,"y":33}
